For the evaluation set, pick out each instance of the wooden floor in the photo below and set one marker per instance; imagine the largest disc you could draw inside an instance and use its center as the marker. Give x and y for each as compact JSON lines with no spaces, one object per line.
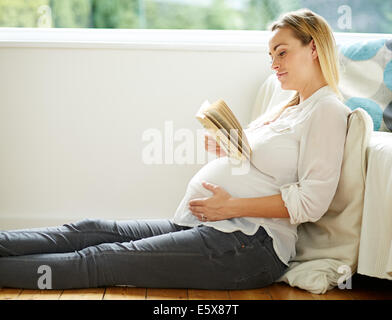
{"x":363,"y":288}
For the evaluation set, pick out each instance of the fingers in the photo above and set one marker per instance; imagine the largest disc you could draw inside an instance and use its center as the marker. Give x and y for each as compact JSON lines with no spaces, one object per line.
{"x":206,"y":144}
{"x":221,"y":152}
{"x":196,"y":210}
{"x":210,"y":145}
{"x":209,"y":186}
{"x":209,"y":140}
{"x":198,"y":213}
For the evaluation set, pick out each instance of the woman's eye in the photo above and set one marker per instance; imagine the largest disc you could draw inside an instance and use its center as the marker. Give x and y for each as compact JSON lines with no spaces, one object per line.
{"x":281,"y":54}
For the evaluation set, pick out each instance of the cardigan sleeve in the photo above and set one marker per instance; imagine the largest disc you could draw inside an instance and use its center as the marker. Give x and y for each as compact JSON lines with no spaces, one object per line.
{"x":319,"y":163}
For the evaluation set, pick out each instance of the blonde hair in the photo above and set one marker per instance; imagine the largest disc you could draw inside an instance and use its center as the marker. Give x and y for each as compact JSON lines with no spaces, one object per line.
{"x":307,"y":25}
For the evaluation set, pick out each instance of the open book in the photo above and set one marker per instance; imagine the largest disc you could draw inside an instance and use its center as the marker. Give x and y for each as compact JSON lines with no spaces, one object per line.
{"x":221,"y":123}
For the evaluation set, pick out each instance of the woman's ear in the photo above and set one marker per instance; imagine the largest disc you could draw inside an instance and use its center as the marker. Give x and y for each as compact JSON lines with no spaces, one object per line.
{"x":314,"y":49}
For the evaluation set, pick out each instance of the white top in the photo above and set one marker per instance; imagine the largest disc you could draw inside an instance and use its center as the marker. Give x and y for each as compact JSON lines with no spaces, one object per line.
{"x":298,"y":155}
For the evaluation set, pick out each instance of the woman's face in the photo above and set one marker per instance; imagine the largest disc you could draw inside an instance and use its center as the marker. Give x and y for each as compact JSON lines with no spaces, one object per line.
{"x":295,"y":64}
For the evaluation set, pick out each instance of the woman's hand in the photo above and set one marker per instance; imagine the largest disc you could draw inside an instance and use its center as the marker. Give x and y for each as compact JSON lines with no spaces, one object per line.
{"x":212,"y":146}
{"x":214,"y":208}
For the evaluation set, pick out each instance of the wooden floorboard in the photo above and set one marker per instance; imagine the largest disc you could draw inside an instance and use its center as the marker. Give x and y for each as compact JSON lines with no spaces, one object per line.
{"x":83,"y":294}
{"x":167,"y":294}
{"x":362,"y":288}
{"x":282,"y":291}
{"x":334,"y":294}
{"x":196,"y":294}
{"x":125,"y":293}
{"x":253,"y":294}
{"x":40,"y":295}
{"x":9,"y":294}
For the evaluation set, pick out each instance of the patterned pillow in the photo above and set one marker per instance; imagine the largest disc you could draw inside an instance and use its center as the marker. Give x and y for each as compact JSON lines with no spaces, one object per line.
{"x":366,"y":79}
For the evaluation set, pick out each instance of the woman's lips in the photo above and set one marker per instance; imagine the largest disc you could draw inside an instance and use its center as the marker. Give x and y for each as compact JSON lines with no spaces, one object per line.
{"x":281,"y":74}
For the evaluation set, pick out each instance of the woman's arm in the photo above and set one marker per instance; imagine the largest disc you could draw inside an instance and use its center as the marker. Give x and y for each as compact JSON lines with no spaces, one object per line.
{"x":260,"y":207}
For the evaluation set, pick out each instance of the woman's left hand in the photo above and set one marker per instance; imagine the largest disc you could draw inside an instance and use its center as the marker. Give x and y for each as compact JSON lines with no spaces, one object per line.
{"x":213,"y":208}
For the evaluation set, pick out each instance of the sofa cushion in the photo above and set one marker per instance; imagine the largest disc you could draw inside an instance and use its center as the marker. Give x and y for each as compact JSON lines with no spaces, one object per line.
{"x":327,"y":250}
{"x":375,"y":251}
{"x":366,"y":79}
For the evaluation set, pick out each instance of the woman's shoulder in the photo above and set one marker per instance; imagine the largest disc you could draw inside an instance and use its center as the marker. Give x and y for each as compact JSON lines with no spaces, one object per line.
{"x":326,"y":111}
{"x":331,"y":104}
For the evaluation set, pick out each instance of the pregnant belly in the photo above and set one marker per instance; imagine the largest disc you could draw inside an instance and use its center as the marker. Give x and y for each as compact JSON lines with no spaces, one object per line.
{"x":252,"y":183}
{"x":222,"y":172}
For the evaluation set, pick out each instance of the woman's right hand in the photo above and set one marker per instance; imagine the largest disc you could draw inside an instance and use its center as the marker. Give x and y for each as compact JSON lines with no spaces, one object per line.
{"x":212,"y":146}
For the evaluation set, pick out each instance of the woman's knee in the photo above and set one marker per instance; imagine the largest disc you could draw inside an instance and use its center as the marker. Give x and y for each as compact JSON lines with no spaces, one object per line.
{"x":91,"y":224}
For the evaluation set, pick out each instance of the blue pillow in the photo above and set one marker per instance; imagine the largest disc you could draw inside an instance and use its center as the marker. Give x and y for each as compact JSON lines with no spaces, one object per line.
{"x":366,"y":79}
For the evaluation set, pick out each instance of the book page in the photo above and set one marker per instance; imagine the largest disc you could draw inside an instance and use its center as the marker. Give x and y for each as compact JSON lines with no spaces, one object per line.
{"x":219,"y":119}
{"x":230,"y":146}
{"x":242,"y":139}
{"x":223,"y":117}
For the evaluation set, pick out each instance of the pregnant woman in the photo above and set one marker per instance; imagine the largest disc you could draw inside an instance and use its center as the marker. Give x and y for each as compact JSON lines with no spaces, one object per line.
{"x":229,"y":231}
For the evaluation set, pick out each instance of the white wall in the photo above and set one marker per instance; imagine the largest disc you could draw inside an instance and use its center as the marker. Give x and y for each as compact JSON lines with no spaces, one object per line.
{"x":72,"y":119}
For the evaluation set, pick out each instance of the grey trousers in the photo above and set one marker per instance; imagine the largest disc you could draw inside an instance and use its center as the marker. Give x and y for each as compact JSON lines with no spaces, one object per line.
{"x":141,"y":253}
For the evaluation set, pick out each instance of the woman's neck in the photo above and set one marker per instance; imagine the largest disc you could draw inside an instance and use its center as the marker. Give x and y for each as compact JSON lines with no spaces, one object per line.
{"x":311,"y":88}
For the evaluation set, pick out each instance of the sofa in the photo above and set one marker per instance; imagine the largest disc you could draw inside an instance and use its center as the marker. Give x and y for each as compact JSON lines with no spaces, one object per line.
{"x":355,"y":234}
{"x":367,"y":83}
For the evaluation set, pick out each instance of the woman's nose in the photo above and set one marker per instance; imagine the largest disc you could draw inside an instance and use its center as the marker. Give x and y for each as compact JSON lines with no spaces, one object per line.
{"x":274,"y":65}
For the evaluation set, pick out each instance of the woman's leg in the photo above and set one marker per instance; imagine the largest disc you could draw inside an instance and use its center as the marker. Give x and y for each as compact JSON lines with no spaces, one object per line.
{"x":76,"y":236}
{"x":199,"y":257}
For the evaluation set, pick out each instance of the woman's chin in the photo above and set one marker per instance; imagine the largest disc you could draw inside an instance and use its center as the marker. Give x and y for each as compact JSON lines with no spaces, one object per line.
{"x":285,"y":86}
